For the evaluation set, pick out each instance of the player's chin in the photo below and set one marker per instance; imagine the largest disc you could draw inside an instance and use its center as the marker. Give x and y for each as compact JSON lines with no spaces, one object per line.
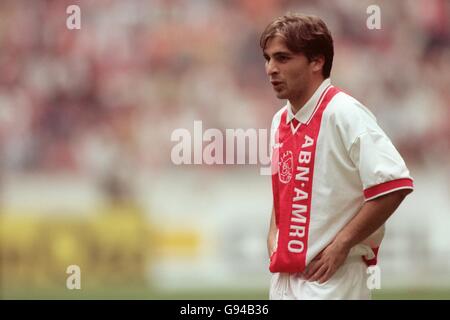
{"x":281,"y":94}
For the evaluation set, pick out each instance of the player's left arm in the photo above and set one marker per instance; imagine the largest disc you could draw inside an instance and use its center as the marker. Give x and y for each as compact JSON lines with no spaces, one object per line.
{"x":371,"y":216}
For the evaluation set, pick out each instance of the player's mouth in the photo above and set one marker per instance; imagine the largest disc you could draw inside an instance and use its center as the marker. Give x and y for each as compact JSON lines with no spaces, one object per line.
{"x":276,"y":84}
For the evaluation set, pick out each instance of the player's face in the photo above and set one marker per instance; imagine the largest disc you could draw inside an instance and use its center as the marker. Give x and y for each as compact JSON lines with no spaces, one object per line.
{"x":289,"y":73}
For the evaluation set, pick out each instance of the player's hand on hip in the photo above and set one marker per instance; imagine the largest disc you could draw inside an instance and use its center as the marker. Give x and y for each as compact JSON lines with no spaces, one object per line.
{"x":326,"y":263}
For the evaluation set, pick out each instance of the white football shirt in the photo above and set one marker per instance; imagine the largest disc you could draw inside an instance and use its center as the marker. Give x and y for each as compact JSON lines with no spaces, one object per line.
{"x":355,"y":161}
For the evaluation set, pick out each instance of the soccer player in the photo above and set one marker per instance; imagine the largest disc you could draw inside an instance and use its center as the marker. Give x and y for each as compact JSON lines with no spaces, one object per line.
{"x":336,"y":176}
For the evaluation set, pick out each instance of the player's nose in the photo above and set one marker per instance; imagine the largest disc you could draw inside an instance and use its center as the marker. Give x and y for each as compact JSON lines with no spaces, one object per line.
{"x":271,"y":68}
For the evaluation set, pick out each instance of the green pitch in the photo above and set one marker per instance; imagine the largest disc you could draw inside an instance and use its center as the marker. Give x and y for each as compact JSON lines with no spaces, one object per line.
{"x":149,"y":294}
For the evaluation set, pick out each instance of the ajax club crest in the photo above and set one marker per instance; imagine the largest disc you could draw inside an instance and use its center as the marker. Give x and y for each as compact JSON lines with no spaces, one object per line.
{"x":285,"y":166}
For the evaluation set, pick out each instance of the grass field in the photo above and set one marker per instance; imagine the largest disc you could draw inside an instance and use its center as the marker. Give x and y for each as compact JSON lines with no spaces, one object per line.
{"x":148,"y":294}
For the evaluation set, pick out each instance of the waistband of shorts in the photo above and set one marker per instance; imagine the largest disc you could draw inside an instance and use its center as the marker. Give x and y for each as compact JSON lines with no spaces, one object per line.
{"x":353,"y":259}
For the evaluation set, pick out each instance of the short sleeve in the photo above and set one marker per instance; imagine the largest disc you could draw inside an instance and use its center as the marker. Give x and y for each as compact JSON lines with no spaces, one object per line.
{"x":381,"y":167}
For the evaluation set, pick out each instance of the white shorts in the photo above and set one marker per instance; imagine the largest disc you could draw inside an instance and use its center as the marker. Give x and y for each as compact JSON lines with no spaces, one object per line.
{"x":349,"y":282}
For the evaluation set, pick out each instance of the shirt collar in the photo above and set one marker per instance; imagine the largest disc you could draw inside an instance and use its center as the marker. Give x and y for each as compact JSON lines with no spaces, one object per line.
{"x":308,"y":108}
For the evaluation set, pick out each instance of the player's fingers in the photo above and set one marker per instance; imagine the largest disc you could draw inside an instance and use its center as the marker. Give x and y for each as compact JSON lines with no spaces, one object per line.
{"x":312,"y":268}
{"x":326,"y":276}
{"x":307,"y":269}
{"x":319,"y":273}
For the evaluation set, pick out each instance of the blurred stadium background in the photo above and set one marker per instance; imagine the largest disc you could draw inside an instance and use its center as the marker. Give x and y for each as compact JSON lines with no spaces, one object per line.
{"x":86,"y":117}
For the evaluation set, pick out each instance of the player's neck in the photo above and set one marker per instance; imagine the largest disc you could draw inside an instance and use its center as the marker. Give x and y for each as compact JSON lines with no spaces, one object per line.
{"x":298,"y":102}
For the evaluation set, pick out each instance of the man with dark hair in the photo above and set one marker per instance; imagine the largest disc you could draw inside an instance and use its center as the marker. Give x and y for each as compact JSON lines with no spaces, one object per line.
{"x":336,"y":176}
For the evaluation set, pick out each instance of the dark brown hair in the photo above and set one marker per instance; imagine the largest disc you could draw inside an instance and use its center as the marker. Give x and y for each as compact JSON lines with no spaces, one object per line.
{"x":305,"y":34}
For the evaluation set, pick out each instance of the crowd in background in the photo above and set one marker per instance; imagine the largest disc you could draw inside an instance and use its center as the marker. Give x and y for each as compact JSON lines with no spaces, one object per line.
{"x":81,"y":101}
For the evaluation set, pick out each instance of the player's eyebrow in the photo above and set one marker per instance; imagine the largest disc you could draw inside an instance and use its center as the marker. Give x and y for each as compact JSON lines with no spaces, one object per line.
{"x":282,"y":53}
{"x":278,"y":54}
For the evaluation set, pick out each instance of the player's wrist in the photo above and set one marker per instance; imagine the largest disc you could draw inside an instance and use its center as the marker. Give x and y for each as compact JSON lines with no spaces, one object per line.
{"x":343,"y":242}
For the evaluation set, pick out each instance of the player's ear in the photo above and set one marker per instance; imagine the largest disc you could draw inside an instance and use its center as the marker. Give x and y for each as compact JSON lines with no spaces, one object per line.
{"x":318,"y":63}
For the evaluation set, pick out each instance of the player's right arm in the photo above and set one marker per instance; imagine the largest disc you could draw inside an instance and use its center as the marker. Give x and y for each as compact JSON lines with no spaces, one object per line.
{"x":271,"y":238}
